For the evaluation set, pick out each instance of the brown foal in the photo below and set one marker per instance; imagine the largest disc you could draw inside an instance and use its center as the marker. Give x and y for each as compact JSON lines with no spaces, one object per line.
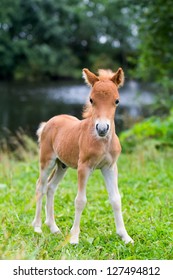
{"x":85,"y":145}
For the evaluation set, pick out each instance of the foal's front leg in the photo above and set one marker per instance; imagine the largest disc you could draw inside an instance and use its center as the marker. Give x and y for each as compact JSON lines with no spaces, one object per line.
{"x":80,"y":202}
{"x":111,"y":179}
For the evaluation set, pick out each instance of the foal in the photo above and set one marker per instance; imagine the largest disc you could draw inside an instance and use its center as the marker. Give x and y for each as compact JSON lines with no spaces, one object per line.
{"x":84,"y":145}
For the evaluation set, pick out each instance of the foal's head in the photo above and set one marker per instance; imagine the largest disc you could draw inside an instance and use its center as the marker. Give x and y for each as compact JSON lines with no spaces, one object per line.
{"x":104,"y":98}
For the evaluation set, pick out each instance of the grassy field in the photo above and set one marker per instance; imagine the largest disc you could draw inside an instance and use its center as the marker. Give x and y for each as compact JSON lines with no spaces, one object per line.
{"x":146,"y":187}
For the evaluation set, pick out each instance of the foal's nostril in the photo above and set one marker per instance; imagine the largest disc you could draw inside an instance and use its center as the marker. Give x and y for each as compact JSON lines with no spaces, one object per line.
{"x":102,"y":129}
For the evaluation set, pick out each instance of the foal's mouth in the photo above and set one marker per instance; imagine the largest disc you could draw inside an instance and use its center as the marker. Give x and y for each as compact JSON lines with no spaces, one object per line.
{"x":101,"y":134}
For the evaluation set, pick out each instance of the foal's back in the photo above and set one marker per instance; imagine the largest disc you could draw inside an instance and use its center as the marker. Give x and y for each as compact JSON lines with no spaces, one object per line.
{"x":59,"y":139}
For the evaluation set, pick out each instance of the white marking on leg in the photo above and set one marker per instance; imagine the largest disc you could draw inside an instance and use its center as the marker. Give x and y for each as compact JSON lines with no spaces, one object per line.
{"x":80,"y":203}
{"x":41,"y":189}
{"x":111,"y":179}
{"x":52,"y":186}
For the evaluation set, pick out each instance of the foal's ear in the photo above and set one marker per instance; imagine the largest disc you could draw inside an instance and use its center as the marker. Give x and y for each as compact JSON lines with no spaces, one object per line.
{"x":90,"y":78}
{"x":118,"y":78}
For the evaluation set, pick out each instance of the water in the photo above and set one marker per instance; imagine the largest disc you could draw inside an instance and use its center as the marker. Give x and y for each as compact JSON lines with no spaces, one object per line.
{"x":25,"y":105}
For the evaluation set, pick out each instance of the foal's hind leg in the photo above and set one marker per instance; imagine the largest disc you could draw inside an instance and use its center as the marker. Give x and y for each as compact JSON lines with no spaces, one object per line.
{"x":54,"y":179}
{"x":41,"y":189}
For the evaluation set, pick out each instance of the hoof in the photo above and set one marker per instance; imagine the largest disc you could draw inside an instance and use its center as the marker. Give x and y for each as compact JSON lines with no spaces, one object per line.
{"x":125,"y":237}
{"x":53,"y":228}
{"x":74,"y":240}
{"x":37,"y":229}
{"x":128,"y":240}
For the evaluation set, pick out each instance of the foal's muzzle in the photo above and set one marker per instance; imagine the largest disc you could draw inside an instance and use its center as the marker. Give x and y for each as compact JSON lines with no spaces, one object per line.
{"x":102,"y":129}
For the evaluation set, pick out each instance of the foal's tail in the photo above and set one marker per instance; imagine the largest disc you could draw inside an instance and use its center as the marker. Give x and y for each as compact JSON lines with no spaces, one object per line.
{"x":40,"y":130}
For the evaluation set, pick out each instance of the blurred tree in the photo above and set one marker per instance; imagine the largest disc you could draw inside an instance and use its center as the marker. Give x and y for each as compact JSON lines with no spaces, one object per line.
{"x":32,"y":38}
{"x":56,"y":38}
{"x":155,"y":26}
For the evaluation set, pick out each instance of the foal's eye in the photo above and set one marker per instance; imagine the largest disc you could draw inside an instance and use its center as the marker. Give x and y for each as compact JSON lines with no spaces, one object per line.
{"x":117,"y":102}
{"x":91,"y":101}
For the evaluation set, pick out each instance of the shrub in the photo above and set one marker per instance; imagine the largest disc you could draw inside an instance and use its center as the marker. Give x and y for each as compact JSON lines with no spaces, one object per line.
{"x":160,"y":130}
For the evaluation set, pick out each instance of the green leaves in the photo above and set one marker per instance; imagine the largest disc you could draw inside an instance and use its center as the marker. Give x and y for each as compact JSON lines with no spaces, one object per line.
{"x":57,"y":38}
{"x":160,"y":130}
{"x":155,"y":60}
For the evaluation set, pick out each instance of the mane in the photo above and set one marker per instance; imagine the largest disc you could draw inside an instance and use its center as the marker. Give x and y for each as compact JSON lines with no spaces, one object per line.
{"x":87,"y":111}
{"x":105,"y":74}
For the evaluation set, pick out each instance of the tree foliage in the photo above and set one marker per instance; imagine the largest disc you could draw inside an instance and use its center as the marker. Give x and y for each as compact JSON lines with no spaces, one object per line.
{"x":155,"y":26}
{"x":56,"y":38}
{"x":59,"y":37}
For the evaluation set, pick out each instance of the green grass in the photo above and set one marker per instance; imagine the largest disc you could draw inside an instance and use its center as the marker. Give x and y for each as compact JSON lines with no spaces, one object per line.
{"x":146,"y":187}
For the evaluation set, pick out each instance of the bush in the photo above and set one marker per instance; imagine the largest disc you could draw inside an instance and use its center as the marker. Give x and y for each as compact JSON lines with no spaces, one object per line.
{"x":160,"y":130}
